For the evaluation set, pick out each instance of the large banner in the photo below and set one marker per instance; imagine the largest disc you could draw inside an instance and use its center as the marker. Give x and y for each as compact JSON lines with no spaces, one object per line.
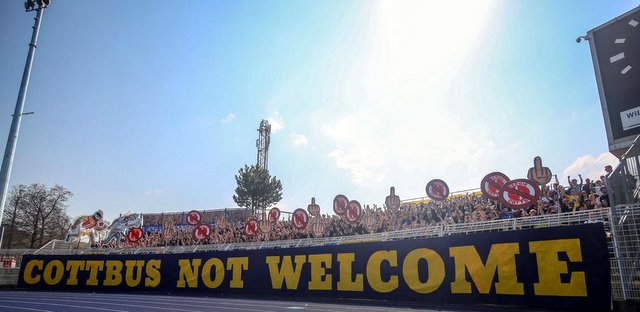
{"x":615,"y":49}
{"x":558,"y":267}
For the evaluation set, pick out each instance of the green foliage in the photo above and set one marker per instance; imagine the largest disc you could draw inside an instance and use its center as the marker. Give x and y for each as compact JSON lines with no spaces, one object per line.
{"x":256,"y":188}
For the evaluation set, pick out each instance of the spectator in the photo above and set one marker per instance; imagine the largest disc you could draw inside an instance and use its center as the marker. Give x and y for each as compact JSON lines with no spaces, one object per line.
{"x":604,"y":198}
{"x":467,"y":208}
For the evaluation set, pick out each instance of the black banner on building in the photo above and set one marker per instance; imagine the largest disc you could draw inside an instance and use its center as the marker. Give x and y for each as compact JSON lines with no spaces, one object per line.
{"x":615,"y":49}
{"x":559,"y":267}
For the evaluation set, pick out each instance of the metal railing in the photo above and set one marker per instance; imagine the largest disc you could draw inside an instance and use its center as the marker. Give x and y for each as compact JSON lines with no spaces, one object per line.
{"x":625,"y":266}
{"x":569,"y":218}
{"x":622,"y":182}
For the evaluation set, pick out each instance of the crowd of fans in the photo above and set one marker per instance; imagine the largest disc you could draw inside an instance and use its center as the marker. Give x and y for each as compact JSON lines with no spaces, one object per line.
{"x":467,"y":208}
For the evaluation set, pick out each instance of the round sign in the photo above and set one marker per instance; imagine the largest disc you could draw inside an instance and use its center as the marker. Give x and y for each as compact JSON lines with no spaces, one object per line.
{"x":274,"y":215}
{"x":201,"y":232}
{"x":313,"y":208}
{"x":134,"y":234}
{"x":194,"y":217}
{"x":264,"y":226}
{"x":340,"y":204}
{"x":491,"y":184}
{"x":251,"y":227}
{"x":519,"y":193}
{"x":300,"y":218}
{"x":354,"y":212}
{"x":437,"y":189}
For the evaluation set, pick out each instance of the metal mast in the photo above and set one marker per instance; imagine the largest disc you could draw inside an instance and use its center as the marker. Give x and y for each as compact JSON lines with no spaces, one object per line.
{"x":262,"y":143}
{"x":7,"y":161}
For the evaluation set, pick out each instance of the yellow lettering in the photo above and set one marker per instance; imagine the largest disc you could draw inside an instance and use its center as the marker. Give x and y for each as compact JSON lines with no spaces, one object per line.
{"x":237,"y":265}
{"x":73,"y":266}
{"x":550,"y":268}
{"x":113,"y":273}
{"x":188,"y":274}
{"x":501,"y":258}
{"x":133,"y":272}
{"x":153,"y":273}
{"x":48,"y":276}
{"x":28,"y":276}
{"x":93,"y":266}
{"x":320,"y":280}
{"x":206,"y":273}
{"x":374,"y":275}
{"x":346,"y":283}
{"x":286,"y":272}
{"x":435,"y":270}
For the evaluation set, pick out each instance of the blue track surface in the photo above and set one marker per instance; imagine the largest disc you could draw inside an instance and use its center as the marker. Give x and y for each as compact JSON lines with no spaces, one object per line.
{"x":11,"y":300}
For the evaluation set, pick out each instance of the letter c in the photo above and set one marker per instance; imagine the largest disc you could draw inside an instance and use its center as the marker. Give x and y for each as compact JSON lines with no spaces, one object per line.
{"x":27,"y":276}
{"x":374,"y":271}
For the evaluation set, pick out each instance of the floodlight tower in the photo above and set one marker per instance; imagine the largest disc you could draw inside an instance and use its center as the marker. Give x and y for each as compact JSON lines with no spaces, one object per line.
{"x":7,"y":161}
{"x":262,"y":143}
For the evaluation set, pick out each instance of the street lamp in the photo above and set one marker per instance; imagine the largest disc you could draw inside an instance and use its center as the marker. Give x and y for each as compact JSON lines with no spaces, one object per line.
{"x":7,"y":161}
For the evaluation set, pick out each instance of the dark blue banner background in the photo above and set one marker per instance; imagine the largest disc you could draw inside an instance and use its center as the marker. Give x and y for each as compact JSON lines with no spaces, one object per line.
{"x":559,"y":267}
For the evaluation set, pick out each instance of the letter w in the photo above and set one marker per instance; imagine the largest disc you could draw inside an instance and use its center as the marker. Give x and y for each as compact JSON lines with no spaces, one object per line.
{"x":286,"y":272}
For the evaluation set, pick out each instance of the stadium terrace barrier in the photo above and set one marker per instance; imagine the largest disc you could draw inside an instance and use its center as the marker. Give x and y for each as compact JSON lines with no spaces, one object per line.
{"x":621,"y":224}
{"x":570,"y":218}
{"x":548,"y":267}
{"x":8,"y":274}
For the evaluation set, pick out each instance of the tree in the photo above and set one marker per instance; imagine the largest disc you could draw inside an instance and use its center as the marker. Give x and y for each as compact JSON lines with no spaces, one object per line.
{"x":15,"y":204}
{"x":256,"y":188}
{"x":35,"y":215}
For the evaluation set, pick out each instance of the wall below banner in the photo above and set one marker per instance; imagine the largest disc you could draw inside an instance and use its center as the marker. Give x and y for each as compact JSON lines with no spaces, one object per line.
{"x":560,"y":267}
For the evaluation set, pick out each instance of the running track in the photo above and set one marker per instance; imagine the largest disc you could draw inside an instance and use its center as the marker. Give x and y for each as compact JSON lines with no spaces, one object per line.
{"x":28,"y":301}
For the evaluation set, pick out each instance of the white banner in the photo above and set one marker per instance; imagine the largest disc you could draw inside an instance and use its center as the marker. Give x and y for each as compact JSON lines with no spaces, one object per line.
{"x":630,"y":118}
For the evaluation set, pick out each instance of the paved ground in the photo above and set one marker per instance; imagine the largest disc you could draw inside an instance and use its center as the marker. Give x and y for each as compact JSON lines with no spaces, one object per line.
{"x":11,"y":300}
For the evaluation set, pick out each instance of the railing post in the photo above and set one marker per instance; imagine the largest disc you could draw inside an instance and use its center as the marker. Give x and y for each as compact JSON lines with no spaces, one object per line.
{"x":614,"y":235}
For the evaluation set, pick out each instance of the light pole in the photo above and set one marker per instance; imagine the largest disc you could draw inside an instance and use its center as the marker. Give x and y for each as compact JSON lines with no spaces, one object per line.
{"x":7,"y":161}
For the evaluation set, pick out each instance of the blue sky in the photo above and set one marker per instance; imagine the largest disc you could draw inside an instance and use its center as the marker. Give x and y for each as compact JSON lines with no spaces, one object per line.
{"x":153,"y":105}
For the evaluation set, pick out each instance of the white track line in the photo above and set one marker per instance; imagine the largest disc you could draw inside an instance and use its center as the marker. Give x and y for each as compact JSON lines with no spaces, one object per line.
{"x":218,"y":301}
{"x":105,"y":301}
{"x":63,"y":305}
{"x":116,"y":304}
{"x":29,"y":309}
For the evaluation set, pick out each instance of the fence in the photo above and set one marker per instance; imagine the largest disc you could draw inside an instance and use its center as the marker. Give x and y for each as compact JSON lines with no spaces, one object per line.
{"x":623,"y":181}
{"x":622,"y":226}
{"x":625,"y":266}
{"x":596,"y":215}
